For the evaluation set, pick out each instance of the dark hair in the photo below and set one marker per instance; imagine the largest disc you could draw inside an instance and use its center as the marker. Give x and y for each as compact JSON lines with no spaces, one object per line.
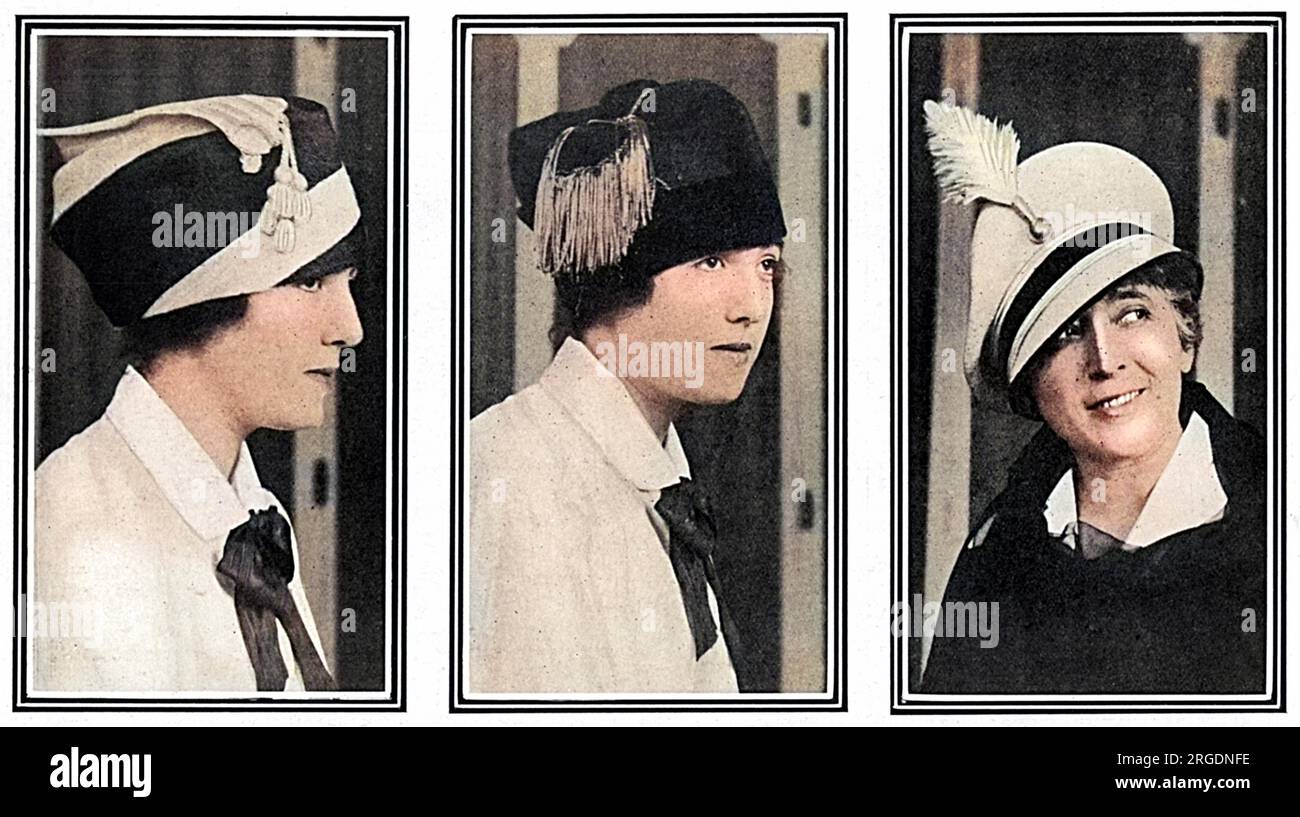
{"x":186,"y":328}
{"x":595,"y":298}
{"x":1178,"y":275}
{"x":193,"y":326}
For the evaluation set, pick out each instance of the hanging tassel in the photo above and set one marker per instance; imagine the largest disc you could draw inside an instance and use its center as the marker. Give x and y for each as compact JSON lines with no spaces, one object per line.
{"x":585,"y":219}
{"x":286,"y":200}
{"x":284,"y":235}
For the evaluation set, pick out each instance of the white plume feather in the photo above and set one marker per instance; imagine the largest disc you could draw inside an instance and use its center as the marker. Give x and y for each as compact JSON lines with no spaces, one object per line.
{"x":974,"y":157}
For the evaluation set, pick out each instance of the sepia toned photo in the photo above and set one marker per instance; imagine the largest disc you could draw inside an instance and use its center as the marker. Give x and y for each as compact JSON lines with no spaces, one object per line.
{"x":1088,"y":376}
{"x":208,"y":429}
{"x":648,"y":254}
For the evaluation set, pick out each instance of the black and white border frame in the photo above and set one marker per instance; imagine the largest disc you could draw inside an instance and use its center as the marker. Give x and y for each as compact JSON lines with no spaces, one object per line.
{"x":903,"y":699}
{"x":28,"y":28}
{"x":837,"y":431}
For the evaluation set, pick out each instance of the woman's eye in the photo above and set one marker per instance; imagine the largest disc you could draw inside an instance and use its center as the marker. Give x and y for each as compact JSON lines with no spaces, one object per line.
{"x":1135,"y":315}
{"x":1070,"y":332}
{"x":712,"y":262}
{"x":310,"y":286}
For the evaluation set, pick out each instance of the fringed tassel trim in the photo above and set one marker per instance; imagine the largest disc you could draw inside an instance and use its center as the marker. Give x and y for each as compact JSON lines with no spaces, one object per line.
{"x":287,"y":201}
{"x":585,"y":220}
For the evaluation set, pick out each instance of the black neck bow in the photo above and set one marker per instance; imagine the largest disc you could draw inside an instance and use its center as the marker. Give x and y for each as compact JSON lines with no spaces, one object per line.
{"x":259,"y":559}
{"x":692,"y":536}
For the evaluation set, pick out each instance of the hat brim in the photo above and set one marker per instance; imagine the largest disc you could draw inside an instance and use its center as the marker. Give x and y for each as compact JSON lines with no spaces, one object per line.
{"x":1076,"y":289}
{"x":242,"y":267}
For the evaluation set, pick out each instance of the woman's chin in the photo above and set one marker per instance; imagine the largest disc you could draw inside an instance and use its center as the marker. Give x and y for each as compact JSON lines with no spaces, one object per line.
{"x":717,"y":395}
{"x":307,"y":416}
{"x":1131,"y":439}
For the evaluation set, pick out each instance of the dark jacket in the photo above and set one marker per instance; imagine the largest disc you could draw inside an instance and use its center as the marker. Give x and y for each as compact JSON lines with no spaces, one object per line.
{"x":1173,"y":617}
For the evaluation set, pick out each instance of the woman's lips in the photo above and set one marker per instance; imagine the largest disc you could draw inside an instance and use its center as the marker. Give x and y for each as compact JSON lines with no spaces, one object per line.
{"x":734,"y":347}
{"x":1116,"y":403}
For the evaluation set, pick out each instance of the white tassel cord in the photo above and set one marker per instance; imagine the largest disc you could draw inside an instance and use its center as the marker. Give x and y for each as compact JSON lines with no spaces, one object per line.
{"x":287,"y":201}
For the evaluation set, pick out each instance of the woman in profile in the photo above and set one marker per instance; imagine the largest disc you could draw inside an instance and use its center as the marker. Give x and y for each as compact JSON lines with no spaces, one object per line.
{"x":154,"y":538}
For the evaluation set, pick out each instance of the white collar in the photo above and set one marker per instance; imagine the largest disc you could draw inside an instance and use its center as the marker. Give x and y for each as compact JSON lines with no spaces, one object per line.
{"x":1187,"y":494}
{"x":600,"y":403}
{"x":185,"y":474}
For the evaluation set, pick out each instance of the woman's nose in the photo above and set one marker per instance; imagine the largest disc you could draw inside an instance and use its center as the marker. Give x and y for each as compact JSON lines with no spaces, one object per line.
{"x":747,"y":301}
{"x":1105,"y":352}
{"x":344,"y":327}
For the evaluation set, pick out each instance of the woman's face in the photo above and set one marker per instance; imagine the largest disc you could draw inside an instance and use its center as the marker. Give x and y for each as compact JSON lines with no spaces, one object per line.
{"x":1111,"y":388}
{"x":279,"y":362}
{"x":712,"y":313}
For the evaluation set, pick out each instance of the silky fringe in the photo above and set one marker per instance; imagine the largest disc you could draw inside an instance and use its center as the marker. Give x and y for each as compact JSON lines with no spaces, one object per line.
{"x":585,"y":220}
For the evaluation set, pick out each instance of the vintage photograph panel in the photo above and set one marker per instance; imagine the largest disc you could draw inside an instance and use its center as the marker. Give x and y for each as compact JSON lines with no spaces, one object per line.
{"x":209,"y":430}
{"x":1088,"y":282}
{"x":649,"y":506}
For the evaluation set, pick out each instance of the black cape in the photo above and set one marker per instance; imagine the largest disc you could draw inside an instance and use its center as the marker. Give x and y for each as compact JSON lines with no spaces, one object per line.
{"x":1185,"y":614}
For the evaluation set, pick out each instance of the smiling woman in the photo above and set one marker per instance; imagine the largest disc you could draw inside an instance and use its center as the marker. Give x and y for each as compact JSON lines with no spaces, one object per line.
{"x":1127,"y":553}
{"x":1110,"y":386}
{"x":1087,"y":386}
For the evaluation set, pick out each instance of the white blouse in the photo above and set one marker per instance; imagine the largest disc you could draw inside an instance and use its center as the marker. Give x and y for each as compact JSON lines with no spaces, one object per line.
{"x":569,"y":584}
{"x":131,"y":519}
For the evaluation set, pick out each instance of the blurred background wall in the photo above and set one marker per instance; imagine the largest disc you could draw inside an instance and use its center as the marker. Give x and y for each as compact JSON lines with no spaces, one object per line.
{"x":331,"y":479}
{"x":757,"y":455}
{"x":1194,"y":108}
